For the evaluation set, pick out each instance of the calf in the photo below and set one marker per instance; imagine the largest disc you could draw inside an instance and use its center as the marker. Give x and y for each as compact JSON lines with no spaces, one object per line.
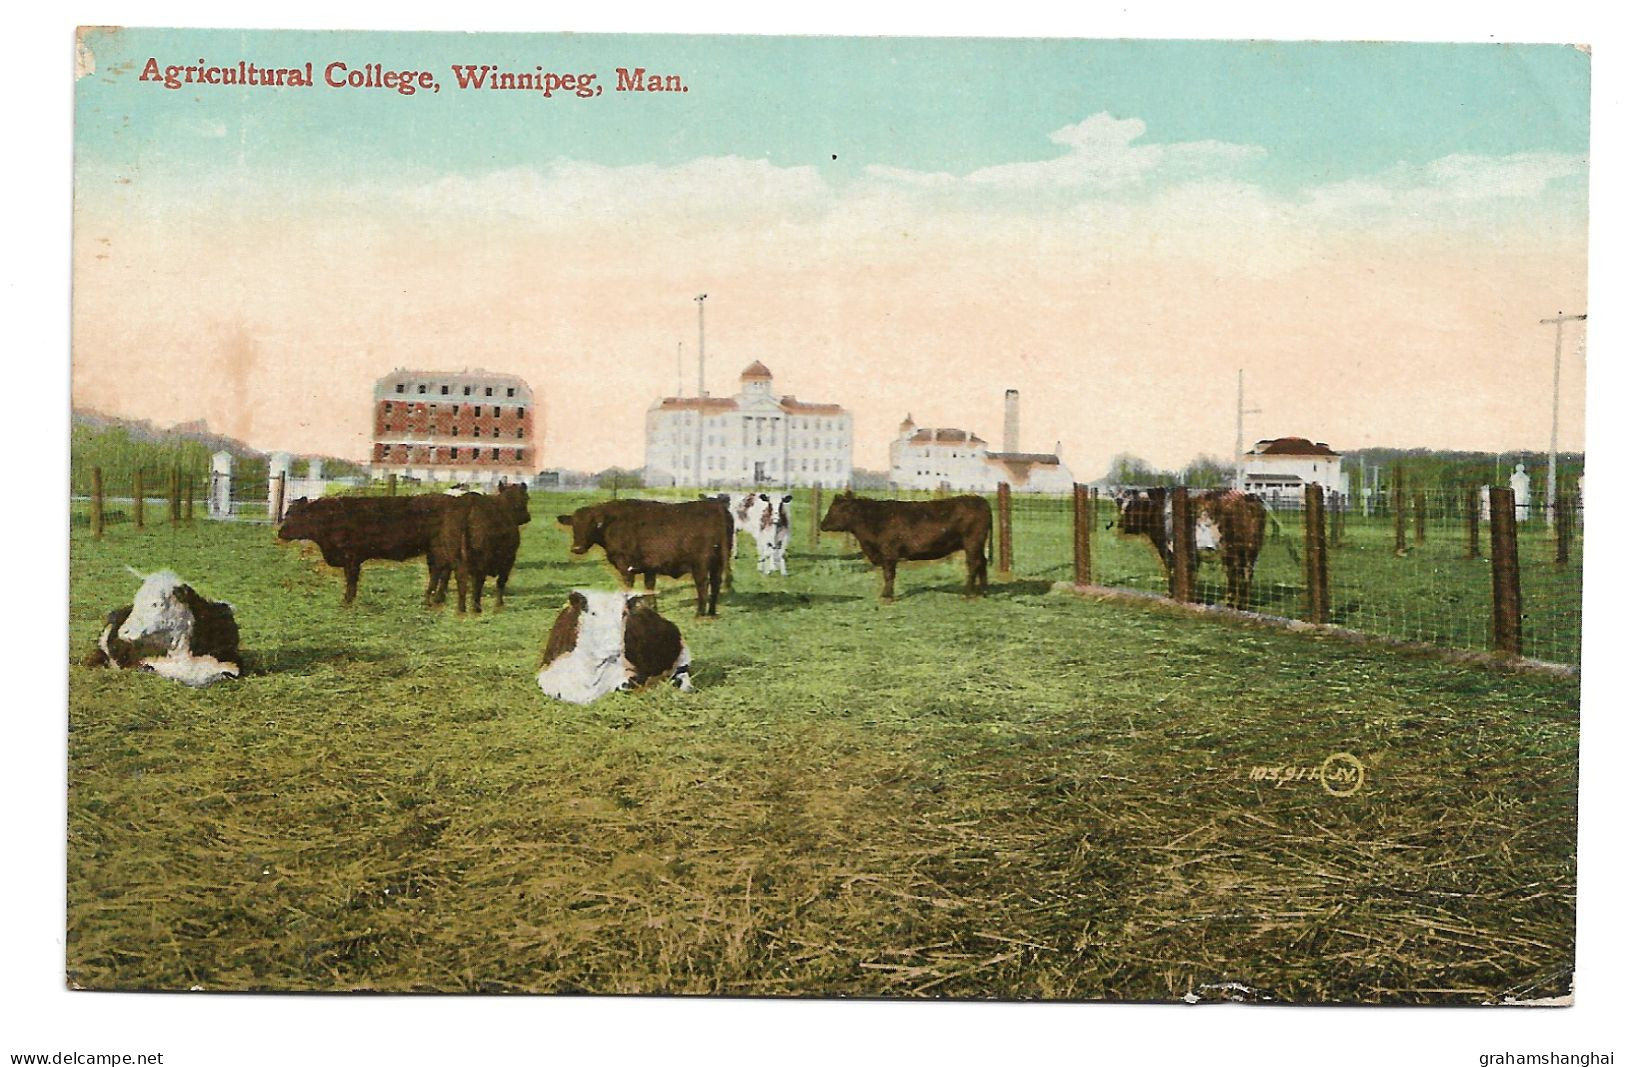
{"x":1225,"y":522}
{"x":610,"y":642}
{"x":172,"y":631}
{"x":893,"y":530}
{"x":353,"y":529}
{"x":478,"y":537}
{"x":766,"y":517}
{"x":648,"y":537}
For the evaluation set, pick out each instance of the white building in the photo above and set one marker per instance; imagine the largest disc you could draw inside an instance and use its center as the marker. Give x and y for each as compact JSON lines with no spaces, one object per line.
{"x":944,"y":457}
{"x":754,"y":437}
{"x":1277,"y":469}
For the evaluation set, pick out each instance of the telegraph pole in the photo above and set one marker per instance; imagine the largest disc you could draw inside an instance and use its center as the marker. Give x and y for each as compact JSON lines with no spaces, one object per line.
{"x":1551,"y":456}
{"x":700,"y":300}
{"x":1241,"y":412}
{"x":679,"y":368}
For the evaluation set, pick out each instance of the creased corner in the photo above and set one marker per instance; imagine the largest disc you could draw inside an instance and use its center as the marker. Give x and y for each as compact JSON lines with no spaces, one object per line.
{"x":84,"y":60}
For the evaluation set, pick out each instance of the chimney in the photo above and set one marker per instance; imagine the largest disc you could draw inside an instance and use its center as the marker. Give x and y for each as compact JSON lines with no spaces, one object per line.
{"x":1012,"y":421}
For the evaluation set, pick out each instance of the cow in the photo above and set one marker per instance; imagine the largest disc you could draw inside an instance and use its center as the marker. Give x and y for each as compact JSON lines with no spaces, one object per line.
{"x":1224,"y":522}
{"x":606,"y":642}
{"x":649,"y":537}
{"x":766,"y":517}
{"x":893,"y":530}
{"x":353,"y":529}
{"x":477,"y":537}
{"x":171,"y":630}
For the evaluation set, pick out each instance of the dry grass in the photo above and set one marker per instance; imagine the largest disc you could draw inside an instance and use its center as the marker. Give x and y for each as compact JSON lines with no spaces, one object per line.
{"x":1032,"y":795}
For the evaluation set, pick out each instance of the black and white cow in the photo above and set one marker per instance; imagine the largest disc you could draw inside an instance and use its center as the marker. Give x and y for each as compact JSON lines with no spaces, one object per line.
{"x":606,"y":642}
{"x":172,"y":631}
{"x":766,"y":517}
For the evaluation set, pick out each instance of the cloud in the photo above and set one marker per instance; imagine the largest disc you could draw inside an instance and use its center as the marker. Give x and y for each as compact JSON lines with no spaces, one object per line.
{"x":1451,"y":183}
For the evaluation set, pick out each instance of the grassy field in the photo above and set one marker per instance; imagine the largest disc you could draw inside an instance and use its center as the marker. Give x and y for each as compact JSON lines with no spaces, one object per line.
{"x":1030,"y":795}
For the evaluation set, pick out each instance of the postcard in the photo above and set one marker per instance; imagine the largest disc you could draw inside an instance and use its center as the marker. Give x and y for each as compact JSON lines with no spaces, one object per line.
{"x":899,"y":517}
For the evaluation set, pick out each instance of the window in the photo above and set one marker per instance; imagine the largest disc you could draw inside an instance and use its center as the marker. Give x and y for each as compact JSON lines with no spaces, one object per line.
{"x":454,"y":431}
{"x":476,"y":453}
{"x":467,"y":389}
{"x":521,"y":431}
{"x":496,"y":413}
{"x":476,"y":431}
{"x":387,"y":406}
{"x":454,"y":453}
{"x":445,"y":390}
{"x":423,"y":388}
{"x":488,"y":390}
{"x":455,"y":408}
{"x":496,"y":431}
{"x":510,"y":390}
{"x":519,"y":454}
{"x":521,"y":413}
{"x":476,"y":411}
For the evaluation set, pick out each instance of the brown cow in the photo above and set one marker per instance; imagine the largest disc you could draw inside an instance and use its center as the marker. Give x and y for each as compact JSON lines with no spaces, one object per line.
{"x":1227,"y":522}
{"x":893,"y":530}
{"x":353,"y":529}
{"x":649,"y":537}
{"x":478,"y":536}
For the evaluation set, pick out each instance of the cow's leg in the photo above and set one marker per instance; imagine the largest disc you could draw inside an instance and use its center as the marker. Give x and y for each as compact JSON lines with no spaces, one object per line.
{"x":889,"y":568}
{"x":478,"y":580}
{"x":648,"y":581}
{"x":462,"y":588}
{"x":352,"y":578}
{"x":975,"y":570}
{"x":716,"y":573}
{"x":502,"y":586}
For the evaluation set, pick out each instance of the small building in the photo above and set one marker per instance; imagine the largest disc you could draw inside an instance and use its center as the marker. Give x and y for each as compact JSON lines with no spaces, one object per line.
{"x":1277,"y":469}
{"x":454,"y":426}
{"x":948,"y":457}
{"x":755,"y":437}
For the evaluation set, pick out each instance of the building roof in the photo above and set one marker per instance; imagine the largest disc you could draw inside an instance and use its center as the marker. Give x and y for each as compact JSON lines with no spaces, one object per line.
{"x":1291,"y":446}
{"x":698,"y":403}
{"x":756,"y":372}
{"x":1041,"y":458}
{"x":1284,"y":479}
{"x":944,"y":435}
{"x":802,"y":407}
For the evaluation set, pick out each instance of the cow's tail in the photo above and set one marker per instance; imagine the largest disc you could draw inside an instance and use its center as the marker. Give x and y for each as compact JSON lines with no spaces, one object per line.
{"x":138,"y":574}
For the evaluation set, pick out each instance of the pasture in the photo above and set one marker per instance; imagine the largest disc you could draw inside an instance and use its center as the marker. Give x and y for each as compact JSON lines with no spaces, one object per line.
{"x":1034,"y":794}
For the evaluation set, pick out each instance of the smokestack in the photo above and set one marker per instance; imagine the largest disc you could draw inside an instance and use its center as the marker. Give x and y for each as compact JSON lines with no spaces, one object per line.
{"x":1012,"y":421}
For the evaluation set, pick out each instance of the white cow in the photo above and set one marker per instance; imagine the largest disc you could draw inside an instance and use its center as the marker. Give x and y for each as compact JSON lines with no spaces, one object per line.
{"x":766,"y":517}
{"x":604,"y":642}
{"x":170,"y":630}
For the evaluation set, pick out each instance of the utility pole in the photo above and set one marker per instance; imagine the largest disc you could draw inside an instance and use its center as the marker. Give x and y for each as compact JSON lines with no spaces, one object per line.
{"x":679,"y":369}
{"x":700,"y":300}
{"x":1551,"y":456}
{"x":1241,"y":412}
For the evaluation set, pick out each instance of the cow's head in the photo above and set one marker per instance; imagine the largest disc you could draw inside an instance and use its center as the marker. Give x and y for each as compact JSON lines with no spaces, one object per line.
{"x":778,"y":507}
{"x":517,"y":500}
{"x":1142,"y":512}
{"x":163,"y":613}
{"x":586,"y":527}
{"x":601,"y":621}
{"x":843,"y":511}
{"x":298,"y":522}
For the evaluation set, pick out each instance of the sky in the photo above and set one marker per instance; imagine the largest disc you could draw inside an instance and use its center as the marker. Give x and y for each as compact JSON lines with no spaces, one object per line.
{"x":904,"y":225}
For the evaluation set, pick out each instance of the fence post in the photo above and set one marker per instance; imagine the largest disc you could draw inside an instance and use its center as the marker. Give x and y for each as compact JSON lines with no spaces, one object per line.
{"x":279,"y":488}
{"x":1094,"y":508}
{"x":1340,"y":505}
{"x":140,"y":501}
{"x":1006,"y":557}
{"x":1470,"y":499}
{"x":1080,"y":535}
{"x":1508,"y":601}
{"x":1565,"y":526}
{"x":1419,"y":503}
{"x":1396,"y":494}
{"x":1314,"y":551}
{"x":1181,"y":571}
{"x":817,"y":514}
{"x":188,"y":502}
{"x":96,"y":516}
{"x":392,"y":485}
{"x":175,"y":497}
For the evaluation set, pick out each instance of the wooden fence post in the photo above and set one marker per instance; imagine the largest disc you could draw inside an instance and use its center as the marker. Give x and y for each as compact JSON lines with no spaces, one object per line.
{"x":392,"y":485}
{"x":1470,"y":499}
{"x":175,"y":497}
{"x":1396,"y":496}
{"x":1340,"y":503}
{"x":96,"y":514}
{"x":1006,"y":556}
{"x":1564,"y":518}
{"x":1081,"y":571}
{"x":1507,"y":626}
{"x":1314,"y":551}
{"x":817,"y":514}
{"x":1181,"y":570}
{"x":279,"y":488}
{"x":140,"y":501}
{"x":1419,"y":502}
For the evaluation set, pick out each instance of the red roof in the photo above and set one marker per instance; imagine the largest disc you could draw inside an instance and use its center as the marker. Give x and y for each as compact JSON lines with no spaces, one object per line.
{"x":757,"y":372}
{"x":947,"y":435}
{"x":698,"y":403}
{"x":801,"y":407}
{"x":1292,"y":446}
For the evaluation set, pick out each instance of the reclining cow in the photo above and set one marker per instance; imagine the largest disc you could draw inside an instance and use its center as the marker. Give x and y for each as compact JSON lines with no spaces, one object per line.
{"x":893,"y":530}
{"x":1224,"y":521}
{"x":766,"y":517}
{"x":477,"y":536}
{"x":649,"y":537}
{"x":172,"y":631}
{"x":607,"y":642}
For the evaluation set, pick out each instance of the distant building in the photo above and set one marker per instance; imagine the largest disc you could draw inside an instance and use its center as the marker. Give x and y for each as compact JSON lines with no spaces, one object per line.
{"x":754,"y":437}
{"x":945,"y":457}
{"x":1279,"y":468}
{"x":458,"y":426}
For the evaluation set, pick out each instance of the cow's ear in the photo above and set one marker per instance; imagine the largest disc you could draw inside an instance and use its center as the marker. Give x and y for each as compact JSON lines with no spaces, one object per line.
{"x":640,"y":602}
{"x":788,"y":498}
{"x":567,"y":520}
{"x":578,"y":601}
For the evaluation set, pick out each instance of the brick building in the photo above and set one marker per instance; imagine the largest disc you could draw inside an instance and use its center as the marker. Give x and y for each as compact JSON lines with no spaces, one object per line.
{"x":456,"y":426}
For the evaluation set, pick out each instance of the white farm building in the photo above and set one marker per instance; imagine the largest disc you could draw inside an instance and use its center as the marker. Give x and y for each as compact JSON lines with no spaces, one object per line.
{"x":1277,"y":469}
{"x":945,"y":457}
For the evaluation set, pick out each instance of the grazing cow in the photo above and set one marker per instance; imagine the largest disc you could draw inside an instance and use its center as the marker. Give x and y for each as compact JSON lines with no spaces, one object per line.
{"x":766,"y":517}
{"x":648,"y":537}
{"x":478,"y":537}
{"x":1224,"y":521}
{"x":172,"y":631}
{"x":892,"y":530}
{"x":353,"y":529}
{"x":610,"y":642}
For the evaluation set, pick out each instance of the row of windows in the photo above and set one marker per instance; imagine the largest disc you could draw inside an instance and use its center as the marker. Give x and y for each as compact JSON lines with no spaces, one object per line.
{"x":404,"y":454}
{"x":456,"y":409}
{"x":712,"y":463}
{"x":687,"y":419}
{"x":717,"y":440}
{"x":496,"y":431}
{"x":424,"y":388}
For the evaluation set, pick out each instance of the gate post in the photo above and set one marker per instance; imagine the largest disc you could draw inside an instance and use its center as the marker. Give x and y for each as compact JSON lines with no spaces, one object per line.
{"x":276,"y":489}
{"x":1508,"y":618}
{"x":1181,"y":572}
{"x":1006,"y":557}
{"x":220,"y":485}
{"x":1080,"y":535}
{"x":1314,"y":551}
